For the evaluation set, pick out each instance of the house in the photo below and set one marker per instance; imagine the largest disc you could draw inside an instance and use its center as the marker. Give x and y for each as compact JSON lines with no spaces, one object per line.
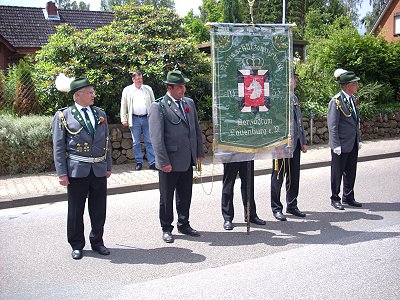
{"x":388,"y":22}
{"x":25,"y":30}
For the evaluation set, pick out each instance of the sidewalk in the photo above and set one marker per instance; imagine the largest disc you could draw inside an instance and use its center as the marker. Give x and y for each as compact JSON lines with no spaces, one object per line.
{"x":23,"y":190}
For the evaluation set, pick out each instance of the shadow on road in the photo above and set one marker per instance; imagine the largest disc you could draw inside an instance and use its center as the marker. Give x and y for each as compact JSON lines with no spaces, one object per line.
{"x":158,"y":256}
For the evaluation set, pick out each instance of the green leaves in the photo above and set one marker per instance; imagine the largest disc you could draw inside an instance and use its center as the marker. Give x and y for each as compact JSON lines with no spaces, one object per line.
{"x":139,"y":38}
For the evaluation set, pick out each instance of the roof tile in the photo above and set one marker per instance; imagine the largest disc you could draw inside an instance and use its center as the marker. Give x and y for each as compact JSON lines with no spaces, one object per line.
{"x":27,"y":26}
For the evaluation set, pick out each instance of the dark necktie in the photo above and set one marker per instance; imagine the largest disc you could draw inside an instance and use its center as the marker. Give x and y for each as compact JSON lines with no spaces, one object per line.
{"x":181,"y":108}
{"x":353,"y":105}
{"x":88,"y":122}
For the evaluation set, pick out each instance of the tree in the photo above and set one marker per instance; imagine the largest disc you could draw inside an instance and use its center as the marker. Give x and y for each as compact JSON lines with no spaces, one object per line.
{"x":67,"y":4}
{"x":2,"y":91}
{"x":339,"y":45}
{"x":211,"y":11}
{"x":196,"y":27}
{"x":371,"y":17}
{"x":107,"y":5}
{"x":231,"y":11}
{"x":26,"y":101}
{"x":140,"y":37}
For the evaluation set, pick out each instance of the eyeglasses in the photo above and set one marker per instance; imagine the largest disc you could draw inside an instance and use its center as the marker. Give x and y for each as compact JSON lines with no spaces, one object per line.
{"x":90,"y":93}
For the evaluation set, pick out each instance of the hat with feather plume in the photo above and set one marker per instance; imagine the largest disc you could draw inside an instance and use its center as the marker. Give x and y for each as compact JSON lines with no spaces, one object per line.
{"x":345,"y":76}
{"x":70,"y":84}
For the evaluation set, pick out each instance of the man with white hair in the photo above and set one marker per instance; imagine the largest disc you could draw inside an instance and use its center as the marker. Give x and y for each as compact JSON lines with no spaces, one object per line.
{"x":83,"y":162}
{"x":344,"y":139}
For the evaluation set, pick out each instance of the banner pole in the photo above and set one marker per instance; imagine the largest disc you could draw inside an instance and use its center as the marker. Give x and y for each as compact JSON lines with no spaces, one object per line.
{"x":249,"y":182}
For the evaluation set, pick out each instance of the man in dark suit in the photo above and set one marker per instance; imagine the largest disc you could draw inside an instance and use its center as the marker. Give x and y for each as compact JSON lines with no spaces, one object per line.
{"x":344,"y":139}
{"x":83,"y":164}
{"x":177,"y":141}
{"x":235,"y":163}
{"x":290,"y":167}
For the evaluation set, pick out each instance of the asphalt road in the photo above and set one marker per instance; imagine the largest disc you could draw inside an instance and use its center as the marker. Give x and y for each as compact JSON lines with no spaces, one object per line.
{"x":351,"y":254}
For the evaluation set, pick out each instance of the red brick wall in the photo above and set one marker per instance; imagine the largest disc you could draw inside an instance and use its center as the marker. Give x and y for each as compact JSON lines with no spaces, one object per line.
{"x":386,"y":25}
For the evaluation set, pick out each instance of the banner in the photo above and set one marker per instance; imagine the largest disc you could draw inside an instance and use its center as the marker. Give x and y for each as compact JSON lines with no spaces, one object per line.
{"x":251,"y":88}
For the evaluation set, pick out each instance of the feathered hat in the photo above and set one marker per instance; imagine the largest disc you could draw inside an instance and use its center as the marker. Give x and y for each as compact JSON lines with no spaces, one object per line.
{"x":344,"y":76}
{"x":70,"y":84}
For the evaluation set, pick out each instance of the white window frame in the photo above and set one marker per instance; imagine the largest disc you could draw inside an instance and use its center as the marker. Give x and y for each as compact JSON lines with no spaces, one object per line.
{"x":396,"y":23}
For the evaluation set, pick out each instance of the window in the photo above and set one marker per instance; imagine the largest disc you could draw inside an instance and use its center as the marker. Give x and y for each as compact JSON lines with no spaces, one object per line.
{"x":397,"y":24}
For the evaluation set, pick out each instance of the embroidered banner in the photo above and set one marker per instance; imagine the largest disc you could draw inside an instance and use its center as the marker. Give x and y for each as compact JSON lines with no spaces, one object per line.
{"x":251,"y":87}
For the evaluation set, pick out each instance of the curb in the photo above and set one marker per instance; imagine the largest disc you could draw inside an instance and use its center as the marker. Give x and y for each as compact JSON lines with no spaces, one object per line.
{"x":44,"y":199}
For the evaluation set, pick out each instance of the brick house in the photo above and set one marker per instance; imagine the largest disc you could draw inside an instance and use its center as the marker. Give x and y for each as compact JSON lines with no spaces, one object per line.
{"x":388,"y":22}
{"x":25,"y":30}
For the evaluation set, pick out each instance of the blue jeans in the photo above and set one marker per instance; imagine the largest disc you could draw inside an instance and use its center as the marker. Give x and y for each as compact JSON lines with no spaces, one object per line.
{"x":141,"y":124}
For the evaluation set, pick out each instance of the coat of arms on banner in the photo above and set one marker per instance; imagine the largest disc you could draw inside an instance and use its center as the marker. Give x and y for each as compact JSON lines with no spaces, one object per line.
{"x":253,"y":86}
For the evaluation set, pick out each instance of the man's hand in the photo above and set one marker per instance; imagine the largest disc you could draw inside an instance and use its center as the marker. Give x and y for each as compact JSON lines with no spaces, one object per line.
{"x":304,"y":148}
{"x":108,"y":174}
{"x":63,"y":180}
{"x":125,"y":123}
{"x":337,"y":150}
{"x":166,"y":169}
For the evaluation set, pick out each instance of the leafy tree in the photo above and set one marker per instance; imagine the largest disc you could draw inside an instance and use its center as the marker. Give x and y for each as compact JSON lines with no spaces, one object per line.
{"x":211,"y":11}
{"x":140,"y":37}
{"x":26,"y":101}
{"x":371,"y":17}
{"x":107,"y":5}
{"x":2,"y":91}
{"x":67,"y":4}
{"x":339,"y":45}
{"x":196,"y":27}
{"x":231,"y":11}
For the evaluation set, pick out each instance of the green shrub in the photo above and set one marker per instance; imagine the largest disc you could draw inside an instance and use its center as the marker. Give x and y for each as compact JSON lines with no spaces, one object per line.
{"x":25,"y":144}
{"x":140,"y":37}
{"x":10,"y":81}
{"x":2,"y":91}
{"x":26,"y":101}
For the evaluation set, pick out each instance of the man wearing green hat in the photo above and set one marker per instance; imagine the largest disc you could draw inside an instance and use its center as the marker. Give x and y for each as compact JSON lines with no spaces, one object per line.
{"x":344,"y":139}
{"x":83,"y":163}
{"x":177,"y":142}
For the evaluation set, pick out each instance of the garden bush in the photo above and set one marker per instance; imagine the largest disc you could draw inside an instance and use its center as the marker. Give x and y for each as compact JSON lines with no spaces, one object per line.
{"x":25,"y":144}
{"x":140,"y":37}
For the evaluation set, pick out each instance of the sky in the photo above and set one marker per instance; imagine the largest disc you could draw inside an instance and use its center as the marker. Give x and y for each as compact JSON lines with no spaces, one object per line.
{"x":182,"y":7}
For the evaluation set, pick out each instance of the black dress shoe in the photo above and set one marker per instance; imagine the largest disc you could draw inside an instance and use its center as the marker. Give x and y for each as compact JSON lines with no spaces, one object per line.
{"x":256,"y":220}
{"x":138,"y":167}
{"x":296,"y":212}
{"x":189,"y":231}
{"x":153,"y":167}
{"x":228,"y":225}
{"x":167,"y":237}
{"x":353,"y":203}
{"x":337,"y":205}
{"x":279,"y":216}
{"x":77,"y":254}
{"x":101,"y":250}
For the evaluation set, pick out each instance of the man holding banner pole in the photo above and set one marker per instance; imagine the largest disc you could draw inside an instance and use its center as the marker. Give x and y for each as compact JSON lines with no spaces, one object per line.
{"x":290,"y":167}
{"x":231,"y":169}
